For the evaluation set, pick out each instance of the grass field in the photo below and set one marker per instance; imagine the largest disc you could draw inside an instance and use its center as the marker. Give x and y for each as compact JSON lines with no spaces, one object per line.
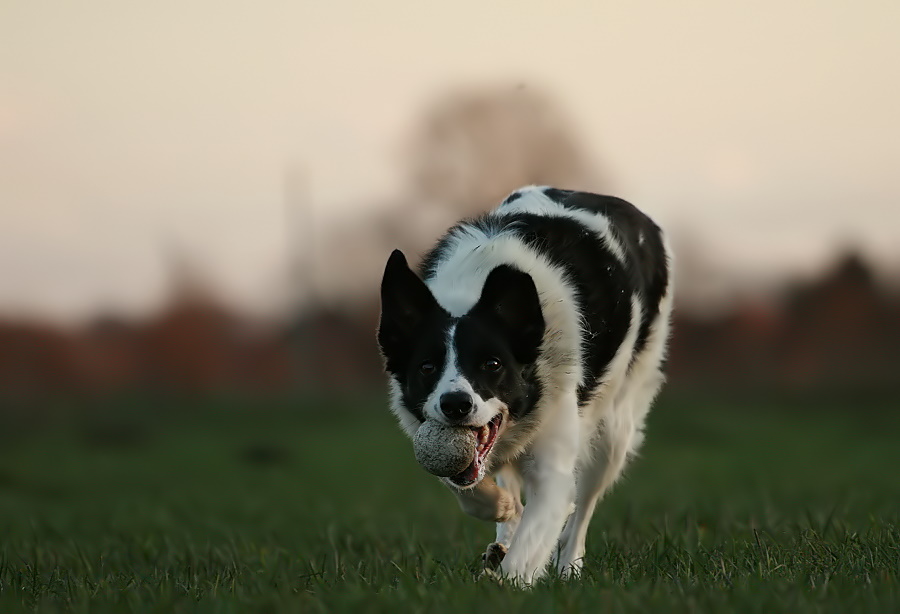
{"x":314,"y":507}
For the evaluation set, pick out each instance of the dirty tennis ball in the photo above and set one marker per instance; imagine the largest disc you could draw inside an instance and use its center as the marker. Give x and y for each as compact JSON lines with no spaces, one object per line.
{"x":444,"y":450}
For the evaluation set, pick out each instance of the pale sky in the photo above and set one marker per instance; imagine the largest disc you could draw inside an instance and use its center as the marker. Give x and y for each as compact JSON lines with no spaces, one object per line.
{"x":767,"y":133}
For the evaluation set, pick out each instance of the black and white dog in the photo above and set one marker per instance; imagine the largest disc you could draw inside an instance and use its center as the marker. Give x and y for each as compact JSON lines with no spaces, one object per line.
{"x":542,"y":325}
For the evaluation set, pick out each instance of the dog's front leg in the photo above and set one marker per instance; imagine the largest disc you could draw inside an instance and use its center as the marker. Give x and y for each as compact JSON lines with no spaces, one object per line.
{"x":550,"y":489}
{"x":508,"y":479}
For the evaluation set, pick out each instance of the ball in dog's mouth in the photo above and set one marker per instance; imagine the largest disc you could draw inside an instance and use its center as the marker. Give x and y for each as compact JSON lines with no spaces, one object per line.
{"x":485,"y":437}
{"x":444,"y":450}
{"x":457,"y":453}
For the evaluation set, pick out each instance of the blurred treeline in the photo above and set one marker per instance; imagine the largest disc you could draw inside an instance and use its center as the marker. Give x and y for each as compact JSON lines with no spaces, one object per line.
{"x":838,"y":332}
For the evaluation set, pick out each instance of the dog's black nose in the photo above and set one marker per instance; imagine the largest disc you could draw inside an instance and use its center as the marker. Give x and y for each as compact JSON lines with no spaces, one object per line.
{"x":456,"y":405}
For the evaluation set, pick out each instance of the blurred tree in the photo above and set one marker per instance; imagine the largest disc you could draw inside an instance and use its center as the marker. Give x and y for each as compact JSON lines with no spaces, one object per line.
{"x":475,"y":146}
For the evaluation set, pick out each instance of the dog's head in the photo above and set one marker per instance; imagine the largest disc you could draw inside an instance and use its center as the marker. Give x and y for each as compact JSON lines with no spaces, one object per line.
{"x":476,"y":370}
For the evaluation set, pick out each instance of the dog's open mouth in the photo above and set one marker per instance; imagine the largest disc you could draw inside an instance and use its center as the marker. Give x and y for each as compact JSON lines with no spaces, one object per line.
{"x":486,"y":436}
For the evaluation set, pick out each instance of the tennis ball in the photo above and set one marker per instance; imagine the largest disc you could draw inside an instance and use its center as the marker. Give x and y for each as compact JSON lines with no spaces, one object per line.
{"x":444,"y":450}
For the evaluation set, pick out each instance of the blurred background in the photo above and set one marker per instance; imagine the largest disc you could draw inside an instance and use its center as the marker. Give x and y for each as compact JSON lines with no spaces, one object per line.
{"x":201,"y":198}
{"x":197,"y":200}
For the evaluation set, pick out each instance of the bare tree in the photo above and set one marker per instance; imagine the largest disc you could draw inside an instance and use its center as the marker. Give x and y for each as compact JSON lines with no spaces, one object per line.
{"x":475,"y":146}
{"x":468,"y":151}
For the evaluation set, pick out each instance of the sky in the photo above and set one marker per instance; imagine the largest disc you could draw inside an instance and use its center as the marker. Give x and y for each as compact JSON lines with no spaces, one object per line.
{"x":765,"y":135}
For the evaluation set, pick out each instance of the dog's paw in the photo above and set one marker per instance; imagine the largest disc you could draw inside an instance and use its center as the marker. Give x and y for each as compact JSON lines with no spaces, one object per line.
{"x":493,"y":556}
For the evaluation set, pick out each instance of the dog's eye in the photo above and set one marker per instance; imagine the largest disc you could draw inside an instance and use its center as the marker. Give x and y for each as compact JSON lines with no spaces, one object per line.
{"x":426,"y":368}
{"x":492,"y":364}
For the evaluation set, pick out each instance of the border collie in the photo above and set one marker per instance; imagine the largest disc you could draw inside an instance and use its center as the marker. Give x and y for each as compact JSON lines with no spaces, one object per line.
{"x":542,"y":325}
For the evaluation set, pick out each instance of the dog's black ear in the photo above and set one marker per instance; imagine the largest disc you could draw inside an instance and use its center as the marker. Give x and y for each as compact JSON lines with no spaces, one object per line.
{"x":405,"y":301}
{"x":510,"y":300}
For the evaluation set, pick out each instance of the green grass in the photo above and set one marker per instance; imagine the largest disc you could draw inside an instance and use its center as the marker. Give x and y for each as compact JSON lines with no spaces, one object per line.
{"x":316,"y":507}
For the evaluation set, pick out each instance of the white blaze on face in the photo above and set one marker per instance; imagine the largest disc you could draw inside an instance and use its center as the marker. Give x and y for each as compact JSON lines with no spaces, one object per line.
{"x":452,"y":380}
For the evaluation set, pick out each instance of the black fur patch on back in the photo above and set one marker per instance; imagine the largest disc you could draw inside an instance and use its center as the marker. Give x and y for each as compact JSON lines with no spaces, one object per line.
{"x":642,"y":241}
{"x":512,"y":198}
